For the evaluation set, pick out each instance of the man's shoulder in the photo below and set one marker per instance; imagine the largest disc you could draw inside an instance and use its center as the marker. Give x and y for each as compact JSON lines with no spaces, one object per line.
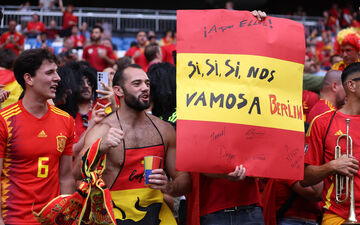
{"x":163,"y":126}
{"x":10,"y":111}
{"x":325,"y":116}
{"x":132,"y":50}
{"x":19,"y":34}
{"x":88,"y":46}
{"x":59,"y":112}
{"x":321,"y":121}
{"x":6,"y":33}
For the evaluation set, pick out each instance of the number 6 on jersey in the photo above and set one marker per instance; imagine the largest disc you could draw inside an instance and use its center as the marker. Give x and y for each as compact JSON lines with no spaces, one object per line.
{"x":43,"y":170}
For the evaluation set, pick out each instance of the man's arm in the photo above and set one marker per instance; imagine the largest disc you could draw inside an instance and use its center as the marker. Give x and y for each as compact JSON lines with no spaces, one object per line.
{"x":111,"y":137}
{"x":98,"y":114}
{"x":61,"y":5}
{"x":67,"y":182}
{"x":311,"y":193}
{"x":181,"y":181}
{"x":343,"y":166}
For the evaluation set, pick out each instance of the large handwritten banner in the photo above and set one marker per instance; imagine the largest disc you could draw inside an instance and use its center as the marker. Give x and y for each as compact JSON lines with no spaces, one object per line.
{"x":239,"y":93}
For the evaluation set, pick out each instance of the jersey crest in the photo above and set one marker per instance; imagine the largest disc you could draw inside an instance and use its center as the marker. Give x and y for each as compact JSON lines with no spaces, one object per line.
{"x":60,"y":142}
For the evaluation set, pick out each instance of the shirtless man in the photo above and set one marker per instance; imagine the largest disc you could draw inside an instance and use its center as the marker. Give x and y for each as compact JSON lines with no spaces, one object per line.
{"x":126,"y":136}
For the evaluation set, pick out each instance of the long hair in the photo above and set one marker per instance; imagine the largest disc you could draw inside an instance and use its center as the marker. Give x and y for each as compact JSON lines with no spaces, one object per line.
{"x":66,"y":91}
{"x":162,"y":87}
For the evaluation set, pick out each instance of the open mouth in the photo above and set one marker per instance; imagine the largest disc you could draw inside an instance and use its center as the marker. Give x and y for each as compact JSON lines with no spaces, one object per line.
{"x":53,"y":88}
{"x":144,"y":97}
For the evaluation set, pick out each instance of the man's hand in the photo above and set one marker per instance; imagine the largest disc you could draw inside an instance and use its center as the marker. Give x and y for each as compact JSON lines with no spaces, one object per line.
{"x":137,"y":54}
{"x":159,"y":180}
{"x":238,"y":174}
{"x":108,"y":94}
{"x":345,"y":166}
{"x":260,"y":15}
{"x":112,"y":139}
{"x":4,"y":94}
{"x":98,"y":112}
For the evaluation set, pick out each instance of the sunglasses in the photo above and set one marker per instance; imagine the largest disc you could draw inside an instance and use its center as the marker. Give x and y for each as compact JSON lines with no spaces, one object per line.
{"x":356,"y":79}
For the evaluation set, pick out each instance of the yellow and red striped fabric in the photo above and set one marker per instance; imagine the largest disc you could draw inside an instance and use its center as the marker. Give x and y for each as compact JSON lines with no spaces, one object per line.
{"x":239,"y":93}
{"x":7,"y":78}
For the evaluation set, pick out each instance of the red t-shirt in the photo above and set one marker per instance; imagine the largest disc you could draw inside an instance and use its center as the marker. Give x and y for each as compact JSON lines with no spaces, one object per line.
{"x":52,"y":33}
{"x":219,"y":194}
{"x":300,"y":208}
{"x":141,"y":59}
{"x":167,"y":53}
{"x":320,"y":107}
{"x":19,"y":39}
{"x":38,"y":26}
{"x":79,"y":40}
{"x":316,"y":156}
{"x":90,"y":54}
{"x":80,"y":122}
{"x":67,"y":18}
{"x":31,"y":149}
{"x":309,"y":99}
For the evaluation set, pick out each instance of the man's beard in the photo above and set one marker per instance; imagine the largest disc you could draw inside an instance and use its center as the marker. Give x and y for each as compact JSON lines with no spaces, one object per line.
{"x":95,"y":39}
{"x":135,"y":103}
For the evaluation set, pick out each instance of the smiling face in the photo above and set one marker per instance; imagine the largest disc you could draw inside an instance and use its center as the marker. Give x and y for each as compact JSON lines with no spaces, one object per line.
{"x":136,"y":89}
{"x":45,"y":81}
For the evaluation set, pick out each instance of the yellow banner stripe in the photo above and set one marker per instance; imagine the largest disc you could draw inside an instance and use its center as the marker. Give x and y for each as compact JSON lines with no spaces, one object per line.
{"x":241,"y":89}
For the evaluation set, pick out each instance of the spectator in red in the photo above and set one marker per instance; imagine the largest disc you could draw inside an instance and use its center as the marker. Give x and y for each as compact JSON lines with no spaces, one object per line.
{"x":335,"y":11}
{"x":332,"y":95}
{"x":69,"y":19}
{"x":287,"y":202}
{"x":107,"y":42}
{"x":98,"y":55}
{"x":167,"y":39}
{"x":34,"y":27}
{"x":153,"y":55}
{"x":137,"y":52}
{"x":169,"y":51}
{"x":12,"y":39}
{"x":79,"y":39}
{"x":52,"y":32}
{"x":347,"y":44}
{"x":309,"y":99}
{"x":346,"y":17}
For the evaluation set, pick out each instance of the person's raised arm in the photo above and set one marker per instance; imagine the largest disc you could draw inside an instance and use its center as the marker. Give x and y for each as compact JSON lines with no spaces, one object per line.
{"x":61,"y":5}
{"x":98,"y":114}
{"x":110,"y":137}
